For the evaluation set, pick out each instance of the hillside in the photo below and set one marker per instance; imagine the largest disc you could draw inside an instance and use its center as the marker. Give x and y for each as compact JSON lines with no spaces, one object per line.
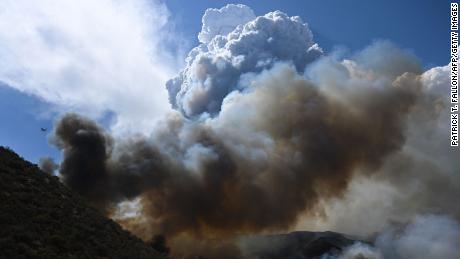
{"x":41,"y":218}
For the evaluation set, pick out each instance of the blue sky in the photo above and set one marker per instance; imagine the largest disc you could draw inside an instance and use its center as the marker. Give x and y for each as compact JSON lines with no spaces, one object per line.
{"x":420,"y":26}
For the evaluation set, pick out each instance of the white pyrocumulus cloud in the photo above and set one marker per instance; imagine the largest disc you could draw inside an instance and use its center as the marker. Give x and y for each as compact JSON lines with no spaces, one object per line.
{"x":224,"y":20}
{"x":228,"y":55}
{"x":89,"y":56}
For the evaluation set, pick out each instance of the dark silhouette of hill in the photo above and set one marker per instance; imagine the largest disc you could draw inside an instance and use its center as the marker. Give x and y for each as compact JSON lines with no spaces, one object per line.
{"x":42,"y":218}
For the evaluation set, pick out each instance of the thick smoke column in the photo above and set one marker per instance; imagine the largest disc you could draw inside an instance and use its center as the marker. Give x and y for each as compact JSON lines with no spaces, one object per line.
{"x":85,"y":148}
{"x":89,"y":169}
{"x":267,"y":130}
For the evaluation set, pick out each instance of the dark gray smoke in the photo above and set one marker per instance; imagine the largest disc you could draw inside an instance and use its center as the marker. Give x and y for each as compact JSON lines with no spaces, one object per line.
{"x":88,"y":167}
{"x":85,"y":148}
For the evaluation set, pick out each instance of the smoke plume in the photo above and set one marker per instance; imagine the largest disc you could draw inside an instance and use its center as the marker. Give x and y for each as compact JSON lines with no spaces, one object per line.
{"x":200,"y":176}
{"x":48,"y":165}
{"x":268,"y":131}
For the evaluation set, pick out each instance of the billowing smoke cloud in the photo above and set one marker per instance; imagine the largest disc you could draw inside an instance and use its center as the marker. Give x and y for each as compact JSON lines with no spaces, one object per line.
{"x":89,"y":169}
{"x":216,"y":67}
{"x":85,"y":148}
{"x":207,"y":175}
{"x":268,"y":130}
{"x":421,"y":178}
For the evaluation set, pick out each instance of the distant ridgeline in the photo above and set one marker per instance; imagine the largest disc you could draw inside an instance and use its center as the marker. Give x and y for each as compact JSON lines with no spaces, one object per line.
{"x":42,"y":218}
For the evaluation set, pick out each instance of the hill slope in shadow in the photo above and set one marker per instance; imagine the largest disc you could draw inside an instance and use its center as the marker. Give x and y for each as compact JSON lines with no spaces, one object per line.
{"x":42,"y":218}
